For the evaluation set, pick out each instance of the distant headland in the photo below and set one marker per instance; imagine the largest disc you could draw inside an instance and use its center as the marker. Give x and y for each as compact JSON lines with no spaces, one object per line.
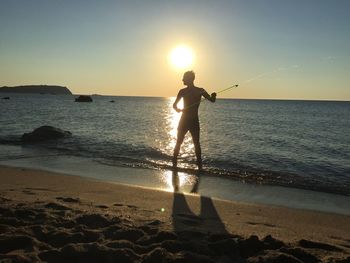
{"x":37,"y":89}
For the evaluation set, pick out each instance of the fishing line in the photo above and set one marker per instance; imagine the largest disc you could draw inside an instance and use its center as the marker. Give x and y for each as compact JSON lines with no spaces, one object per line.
{"x":271,"y":72}
{"x":246,"y":81}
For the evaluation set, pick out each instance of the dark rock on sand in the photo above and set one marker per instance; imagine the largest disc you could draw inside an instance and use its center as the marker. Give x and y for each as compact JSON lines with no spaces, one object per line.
{"x":44,"y":133}
{"x":83,"y":98}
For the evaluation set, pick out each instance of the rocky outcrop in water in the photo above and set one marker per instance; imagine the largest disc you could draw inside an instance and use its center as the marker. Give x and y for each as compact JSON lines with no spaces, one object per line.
{"x":37,"y":89}
{"x":44,"y":133}
{"x":83,"y":98}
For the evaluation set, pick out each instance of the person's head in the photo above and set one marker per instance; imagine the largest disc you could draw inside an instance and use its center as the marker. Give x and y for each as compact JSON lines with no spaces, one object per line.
{"x":188,"y":77}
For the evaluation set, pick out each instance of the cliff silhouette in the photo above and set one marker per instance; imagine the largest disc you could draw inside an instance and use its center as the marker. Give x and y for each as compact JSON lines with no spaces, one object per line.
{"x":38,"y":89}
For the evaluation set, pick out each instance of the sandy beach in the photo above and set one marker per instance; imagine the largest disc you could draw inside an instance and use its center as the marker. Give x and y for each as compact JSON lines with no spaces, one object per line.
{"x":62,"y":218}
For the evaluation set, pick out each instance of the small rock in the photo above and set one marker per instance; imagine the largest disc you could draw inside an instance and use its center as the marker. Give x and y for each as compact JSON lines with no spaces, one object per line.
{"x":45,"y":133}
{"x":83,"y":98}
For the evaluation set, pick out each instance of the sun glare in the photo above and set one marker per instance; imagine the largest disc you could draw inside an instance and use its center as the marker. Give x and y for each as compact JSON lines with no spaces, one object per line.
{"x":181,"y":57}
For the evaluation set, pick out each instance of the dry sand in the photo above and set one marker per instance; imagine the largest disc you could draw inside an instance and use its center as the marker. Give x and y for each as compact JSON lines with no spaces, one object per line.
{"x":62,"y":218}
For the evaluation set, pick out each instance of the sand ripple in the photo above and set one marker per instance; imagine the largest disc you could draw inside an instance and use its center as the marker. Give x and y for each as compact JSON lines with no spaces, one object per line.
{"x":60,"y":232}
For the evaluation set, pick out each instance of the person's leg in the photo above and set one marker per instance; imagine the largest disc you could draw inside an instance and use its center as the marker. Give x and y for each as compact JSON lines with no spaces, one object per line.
{"x":197,"y":147}
{"x":180,"y":138}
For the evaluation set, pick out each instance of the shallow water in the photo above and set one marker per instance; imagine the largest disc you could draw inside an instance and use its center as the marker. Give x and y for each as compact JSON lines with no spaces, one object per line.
{"x":302,"y":144}
{"x":189,"y":183}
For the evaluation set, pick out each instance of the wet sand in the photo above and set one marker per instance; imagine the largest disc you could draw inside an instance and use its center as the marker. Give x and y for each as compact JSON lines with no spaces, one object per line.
{"x":62,"y":218}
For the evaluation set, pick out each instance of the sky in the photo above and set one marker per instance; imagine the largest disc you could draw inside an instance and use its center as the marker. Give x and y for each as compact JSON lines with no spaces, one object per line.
{"x":274,"y":49}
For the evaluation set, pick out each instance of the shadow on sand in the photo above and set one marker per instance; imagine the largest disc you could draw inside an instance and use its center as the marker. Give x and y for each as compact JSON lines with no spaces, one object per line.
{"x":185,"y":220}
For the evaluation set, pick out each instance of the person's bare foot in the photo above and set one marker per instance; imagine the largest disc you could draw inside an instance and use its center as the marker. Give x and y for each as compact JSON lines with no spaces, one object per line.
{"x":194,"y":189}
{"x":174,"y":163}
{"x":200,"y":166}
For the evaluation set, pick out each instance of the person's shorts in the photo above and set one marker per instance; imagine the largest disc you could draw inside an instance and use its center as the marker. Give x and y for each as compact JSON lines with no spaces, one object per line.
{"x":186,"y":125}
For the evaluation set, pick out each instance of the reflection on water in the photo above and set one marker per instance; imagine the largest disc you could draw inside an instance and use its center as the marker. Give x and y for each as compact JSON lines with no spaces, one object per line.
{"x":290,"y":143}
{"x":172,"y":119}
{"x":182,"y":181}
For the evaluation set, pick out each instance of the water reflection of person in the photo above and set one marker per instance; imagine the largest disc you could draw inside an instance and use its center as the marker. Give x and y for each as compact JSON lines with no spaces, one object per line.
{"x":189,"y":119}
{"x":176,"y":182}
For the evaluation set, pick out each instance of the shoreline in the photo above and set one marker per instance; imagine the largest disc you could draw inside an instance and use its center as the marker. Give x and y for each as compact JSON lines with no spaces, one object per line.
{"x":318,"y":234}
{"x":225,"y":188}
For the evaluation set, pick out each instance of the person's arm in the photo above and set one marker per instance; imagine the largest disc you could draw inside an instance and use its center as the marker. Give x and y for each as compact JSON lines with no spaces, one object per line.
{"x":211,"y":97}
{"x":178,"y":98}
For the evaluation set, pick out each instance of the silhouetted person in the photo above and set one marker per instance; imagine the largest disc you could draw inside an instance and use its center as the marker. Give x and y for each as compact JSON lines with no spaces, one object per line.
{"x":189,"y":121}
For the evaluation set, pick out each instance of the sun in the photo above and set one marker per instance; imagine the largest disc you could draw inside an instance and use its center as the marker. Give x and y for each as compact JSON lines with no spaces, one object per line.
{"x":181,"y":57}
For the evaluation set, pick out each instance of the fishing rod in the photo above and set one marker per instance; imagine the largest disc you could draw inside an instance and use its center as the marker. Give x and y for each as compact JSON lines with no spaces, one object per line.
{"x":231,"y":87}
{"x":226,"y":89}
{"x":261,"y":75}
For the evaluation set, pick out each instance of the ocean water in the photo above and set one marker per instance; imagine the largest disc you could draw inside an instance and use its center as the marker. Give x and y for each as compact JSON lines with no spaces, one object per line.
{"x":297,"y":144}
